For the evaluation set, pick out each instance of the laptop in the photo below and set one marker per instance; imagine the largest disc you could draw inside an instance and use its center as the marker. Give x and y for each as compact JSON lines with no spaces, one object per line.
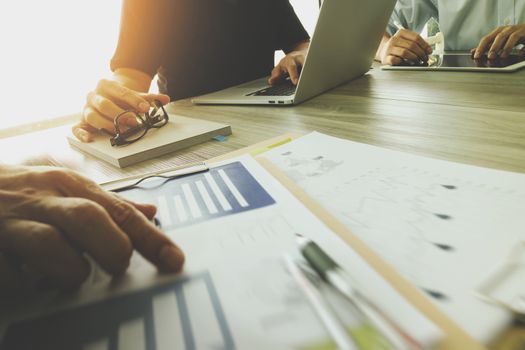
{"x":342,"y":48}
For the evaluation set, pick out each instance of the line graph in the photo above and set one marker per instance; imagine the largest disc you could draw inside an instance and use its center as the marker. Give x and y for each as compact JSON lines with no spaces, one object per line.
{"x":433,"y":221}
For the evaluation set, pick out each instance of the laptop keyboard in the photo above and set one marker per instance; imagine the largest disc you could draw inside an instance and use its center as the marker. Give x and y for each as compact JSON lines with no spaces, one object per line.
{"x":284,"y":89}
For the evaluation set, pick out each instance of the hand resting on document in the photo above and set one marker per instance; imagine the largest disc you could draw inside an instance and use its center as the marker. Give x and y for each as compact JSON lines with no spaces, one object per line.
{"x":50,"y":218}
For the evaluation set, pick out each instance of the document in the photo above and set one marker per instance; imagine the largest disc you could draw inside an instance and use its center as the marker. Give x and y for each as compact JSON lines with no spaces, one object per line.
{"x":234,"y":223}
{"x":442,"y":225}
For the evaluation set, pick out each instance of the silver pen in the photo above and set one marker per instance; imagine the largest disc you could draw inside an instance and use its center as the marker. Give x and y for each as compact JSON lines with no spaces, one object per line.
{"x":332,"y":324}
{"x":334,"y":275}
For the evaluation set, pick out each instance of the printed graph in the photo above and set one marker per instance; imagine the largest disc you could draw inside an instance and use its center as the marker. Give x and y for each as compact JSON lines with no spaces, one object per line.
{"x":224,"y":190}
{"x":186,"y":314}
{"x":424,"y":217}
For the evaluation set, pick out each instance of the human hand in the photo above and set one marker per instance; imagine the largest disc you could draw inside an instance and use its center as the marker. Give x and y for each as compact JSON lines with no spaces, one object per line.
{"x":404,"y":45}
{"x":290,"y":65}
{"x":106,"y":102}
{"x":500,"y":42}
{"x":50,"y":218}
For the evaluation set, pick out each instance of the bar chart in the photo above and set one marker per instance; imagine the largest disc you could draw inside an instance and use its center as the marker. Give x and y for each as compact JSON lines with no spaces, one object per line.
{"x":186,"y":314}
{"x":221,"y":191}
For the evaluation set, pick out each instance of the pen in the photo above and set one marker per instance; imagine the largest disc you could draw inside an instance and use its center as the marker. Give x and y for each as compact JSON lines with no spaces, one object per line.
{"x":398,"y":25}
{"x":334,"y":275}
{"x":331,"y":323}
{"x":431,"y":40}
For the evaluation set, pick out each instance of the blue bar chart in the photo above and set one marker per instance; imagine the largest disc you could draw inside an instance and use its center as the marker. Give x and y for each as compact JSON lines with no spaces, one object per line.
{"x":221,"y":191}
{"x":186,"y":314}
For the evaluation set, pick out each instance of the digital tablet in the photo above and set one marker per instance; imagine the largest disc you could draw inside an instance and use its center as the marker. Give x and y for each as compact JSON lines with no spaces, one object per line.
{"x":464,"y":62}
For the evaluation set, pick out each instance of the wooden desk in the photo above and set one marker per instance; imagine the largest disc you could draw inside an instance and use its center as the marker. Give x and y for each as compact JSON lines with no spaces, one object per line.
{"x":473,"y":118}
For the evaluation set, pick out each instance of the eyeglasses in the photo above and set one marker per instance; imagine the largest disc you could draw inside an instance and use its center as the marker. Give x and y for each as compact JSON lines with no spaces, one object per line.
{"x":137,"y":182}
{"x":131,"y":126}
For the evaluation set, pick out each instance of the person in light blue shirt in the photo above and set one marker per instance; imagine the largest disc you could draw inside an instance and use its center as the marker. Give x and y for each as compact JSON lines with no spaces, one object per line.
{"x":492,"y":27}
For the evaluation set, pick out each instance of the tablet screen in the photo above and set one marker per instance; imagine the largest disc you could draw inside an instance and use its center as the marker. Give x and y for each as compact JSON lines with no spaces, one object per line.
{"x":466,"y":61}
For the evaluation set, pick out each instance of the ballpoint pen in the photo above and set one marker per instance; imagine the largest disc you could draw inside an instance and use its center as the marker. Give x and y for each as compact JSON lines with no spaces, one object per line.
{"x":334,"y":275}
{"x":436,"y":39}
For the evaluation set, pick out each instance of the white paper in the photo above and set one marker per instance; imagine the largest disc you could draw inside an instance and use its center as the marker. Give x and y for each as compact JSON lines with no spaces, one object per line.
{"x":442,"y":225}
{"x":234,"y":263}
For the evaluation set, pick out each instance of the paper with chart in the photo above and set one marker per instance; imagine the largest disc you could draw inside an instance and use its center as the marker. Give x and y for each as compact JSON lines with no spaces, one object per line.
{"x":234,"y":222}
{"x":442,"y":225}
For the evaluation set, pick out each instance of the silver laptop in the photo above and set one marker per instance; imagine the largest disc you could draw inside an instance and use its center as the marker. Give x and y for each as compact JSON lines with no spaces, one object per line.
{"x":342,"y":48}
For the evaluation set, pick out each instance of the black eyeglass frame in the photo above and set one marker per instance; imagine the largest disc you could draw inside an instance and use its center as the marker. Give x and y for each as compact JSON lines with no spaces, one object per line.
{"x":150,"y":120}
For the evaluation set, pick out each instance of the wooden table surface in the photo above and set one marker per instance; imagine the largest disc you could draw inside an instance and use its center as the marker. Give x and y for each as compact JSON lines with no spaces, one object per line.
{"x":473,"y":118}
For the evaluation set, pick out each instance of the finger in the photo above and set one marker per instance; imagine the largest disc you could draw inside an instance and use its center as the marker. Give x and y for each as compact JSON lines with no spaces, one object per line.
{"x":145,"y":237}
{"x":393,"y":60}
{"x":416,"y":38}
{"x":512,"y":41}
{"x":87,"y":226}
{"x":163,"y":99}
{"x":130,"y":99}
{"x":403,"y":53}
{"x":91,"y":117}
{"x":498,"y":44}
{"x":413,"y":46}
{"x":45,"y":250}
{"x":104,"y":106}
{"x":293,"y":72}
{"x":149,"y":210}
{"x":83,"y":131}
{"x":277,"y":74}
{"x":485,"y":43}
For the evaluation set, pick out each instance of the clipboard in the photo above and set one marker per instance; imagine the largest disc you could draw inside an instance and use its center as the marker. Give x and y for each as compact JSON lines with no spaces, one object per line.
{"x":455,"y":337}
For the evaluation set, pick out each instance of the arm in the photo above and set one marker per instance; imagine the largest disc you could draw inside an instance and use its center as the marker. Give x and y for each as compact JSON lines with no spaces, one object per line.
{"x":292,"y":38}
{"x":134,"y":64}
{"x":400,"y":44}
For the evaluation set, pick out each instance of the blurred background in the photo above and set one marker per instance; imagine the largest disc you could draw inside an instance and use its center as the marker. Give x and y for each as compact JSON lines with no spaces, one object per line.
{"x":53,"y":53}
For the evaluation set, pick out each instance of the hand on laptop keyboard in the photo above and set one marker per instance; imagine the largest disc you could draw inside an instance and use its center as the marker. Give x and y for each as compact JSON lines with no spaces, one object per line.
{"x":285,"y":88}
{"x":290,"y":65}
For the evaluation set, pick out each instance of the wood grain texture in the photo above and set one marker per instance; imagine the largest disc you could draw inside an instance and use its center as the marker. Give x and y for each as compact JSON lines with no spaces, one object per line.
{"x":473,"y":118}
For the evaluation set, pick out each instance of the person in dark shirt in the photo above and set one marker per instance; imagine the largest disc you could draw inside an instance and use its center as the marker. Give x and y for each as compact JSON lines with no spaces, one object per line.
{"x":195,"y":47}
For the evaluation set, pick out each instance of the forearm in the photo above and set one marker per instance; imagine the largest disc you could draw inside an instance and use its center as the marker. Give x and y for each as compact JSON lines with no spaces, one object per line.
{"x":133,"y":79}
